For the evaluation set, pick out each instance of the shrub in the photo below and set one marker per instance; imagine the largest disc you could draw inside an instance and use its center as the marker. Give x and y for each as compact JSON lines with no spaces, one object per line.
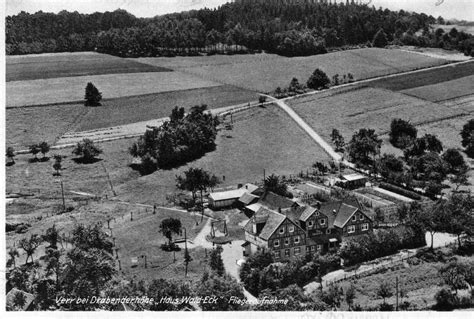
{"x":445,"y":300}
{"x":400,"y":190}
{"x":318,"y":80}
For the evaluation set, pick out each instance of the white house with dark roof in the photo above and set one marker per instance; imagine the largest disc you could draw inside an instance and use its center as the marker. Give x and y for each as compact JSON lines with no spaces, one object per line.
{"x":219,"y":200}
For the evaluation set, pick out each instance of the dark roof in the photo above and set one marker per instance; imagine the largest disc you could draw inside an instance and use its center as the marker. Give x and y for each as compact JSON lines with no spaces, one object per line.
{"x":328,"y":209}
{"x":272,"y":221}
{"x":248,"y":199}
{"x":274,"y":201}
{"x":308,"y":211}
{"x":294,"y":213}
{"x":11,"y":297}
{"x":344,"y":214}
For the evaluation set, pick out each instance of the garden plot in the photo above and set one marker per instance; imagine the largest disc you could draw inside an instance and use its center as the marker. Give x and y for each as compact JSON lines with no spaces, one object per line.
{"x":445,"y":91}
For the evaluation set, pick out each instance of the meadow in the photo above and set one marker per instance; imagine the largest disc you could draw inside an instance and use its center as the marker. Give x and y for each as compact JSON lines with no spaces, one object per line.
{"x":350,"y":110}
{"x":266,"y":73}
{"x":133,"y":109}
{"x":426,"y":77}
{"x":447,"y":28}
{"x":71,"y":89}
{"x":26,"y":126}
{"x":46,"y":66}
{"x":445,"y":90}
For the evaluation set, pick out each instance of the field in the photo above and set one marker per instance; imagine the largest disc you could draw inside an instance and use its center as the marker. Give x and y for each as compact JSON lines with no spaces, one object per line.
{"x":240,"y":156}
{"x":445,"y":90}
{"x":26,"y":126}
{"x":71,"y":89}
{"x":265,"y":73}
{"x":45,"y":66}
{"x":428,"y":77}
{"x":350,"y":110}
{"x":154,"y":106}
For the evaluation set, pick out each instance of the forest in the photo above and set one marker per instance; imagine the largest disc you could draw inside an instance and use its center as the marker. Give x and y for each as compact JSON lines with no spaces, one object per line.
{"x":285,"y":29}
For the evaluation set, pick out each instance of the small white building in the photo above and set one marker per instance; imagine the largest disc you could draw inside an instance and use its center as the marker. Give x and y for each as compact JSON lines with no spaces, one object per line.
{"x":228,"y":198}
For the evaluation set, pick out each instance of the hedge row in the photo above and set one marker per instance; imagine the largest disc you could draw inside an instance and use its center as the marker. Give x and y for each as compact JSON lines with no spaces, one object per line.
{"x":400,"y":191}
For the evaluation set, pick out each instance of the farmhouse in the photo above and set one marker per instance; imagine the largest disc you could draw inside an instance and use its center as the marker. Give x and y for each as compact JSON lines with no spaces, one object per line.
{"x":329,"y":224}
{"x":269,"y":230}
{"x":229,"y":198}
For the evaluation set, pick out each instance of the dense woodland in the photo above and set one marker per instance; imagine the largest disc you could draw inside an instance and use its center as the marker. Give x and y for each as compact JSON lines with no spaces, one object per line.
{"x":286,"y":29}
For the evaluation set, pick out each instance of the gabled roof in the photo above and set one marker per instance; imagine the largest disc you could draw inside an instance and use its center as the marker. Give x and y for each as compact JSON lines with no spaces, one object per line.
{"x":234,"y":193}
{"x":344,"y":214}
{"x":328,"y":209}
{"x":308,"y":211}
{"x":272,"y":221}
{"x":253,"y":207}
{"x":274,"y":201}
{"x":248,"y":198}
{"x":354,"y":177}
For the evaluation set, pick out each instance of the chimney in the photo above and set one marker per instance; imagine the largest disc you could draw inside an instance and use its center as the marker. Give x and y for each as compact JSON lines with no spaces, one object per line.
{"x":239,"y":185}
{"x":246,"y":186}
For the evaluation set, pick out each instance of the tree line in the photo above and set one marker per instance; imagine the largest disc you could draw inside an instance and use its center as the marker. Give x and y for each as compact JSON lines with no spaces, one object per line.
{"x":286,"y":29}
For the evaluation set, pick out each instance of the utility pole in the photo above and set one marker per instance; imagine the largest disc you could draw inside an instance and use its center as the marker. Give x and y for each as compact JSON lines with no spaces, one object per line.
{"x":62,"y":192}
{"x":186,"y":257}
{"x":396,"y":296}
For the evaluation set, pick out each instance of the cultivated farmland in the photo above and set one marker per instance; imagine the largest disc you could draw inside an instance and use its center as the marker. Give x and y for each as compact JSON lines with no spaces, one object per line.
{"x":71,"y":89}
{"x":46,"y":66}
{"x":351,"y":110}
{"x":154,"y":106}
{"x":445,"y":90}
{"x":26,"y":126}
{"x":427,"y":77}
{"x":265,"y":73}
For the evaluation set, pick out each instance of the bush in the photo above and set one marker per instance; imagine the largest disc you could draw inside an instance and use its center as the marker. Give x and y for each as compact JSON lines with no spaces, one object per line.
{"x":92,"y":96}
{"x":318,"y":80}
{"x":445,"y":300}
{"x":170,"y":247}
{"x":386,"y":307}
{"x":400,"y":191}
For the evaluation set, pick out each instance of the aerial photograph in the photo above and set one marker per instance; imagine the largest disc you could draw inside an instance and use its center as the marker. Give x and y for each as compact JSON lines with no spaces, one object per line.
{"x":239,"y":156}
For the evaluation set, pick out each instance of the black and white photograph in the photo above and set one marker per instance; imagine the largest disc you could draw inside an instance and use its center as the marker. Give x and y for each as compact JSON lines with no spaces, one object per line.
{"x":256,"y":158}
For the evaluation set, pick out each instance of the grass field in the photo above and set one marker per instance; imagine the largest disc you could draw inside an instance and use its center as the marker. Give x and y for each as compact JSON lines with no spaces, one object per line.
{"x":350,"y":110}
{"x":445,"y":90}
{"x":265,"y":73}
{"x":69,"y":89}
{"x":154,"y":106}
{"x":428,"y":77}
{"x":46,"y":66}
{"x":26,"y":126}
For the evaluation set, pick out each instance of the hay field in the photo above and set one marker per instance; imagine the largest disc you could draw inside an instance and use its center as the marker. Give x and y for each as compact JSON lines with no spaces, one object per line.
{"x":427,"y":77}
{"x":71,"y":89}
{"x":266,"y":73}
{"x":26,"y":126}
{"x":46,"y":66}
{"x":350,"y":110}
{"x":154,"y":106}
{"x":445,"y":90}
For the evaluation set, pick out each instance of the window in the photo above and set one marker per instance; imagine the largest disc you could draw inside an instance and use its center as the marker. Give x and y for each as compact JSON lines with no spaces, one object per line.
{"x":328,"y":231}
{"x":313,"y":248}
{"x":291,"y":228}
{"x":282,"y":230}
{"x":297,"y":250}
{"x":361,"y":217}
{"x":277,"y":254}
{"x":320,"y":247}
{"x":354,"y":218}
{"x":287,"y":241}
{"x":307,"y":249}
{"x":351,"y":229}
{"x":276,"y":243}
{"x":317,"y":214}
{"x":310,"y":223}
{"x":365,"y":227}
{"x":287,"y":253}
{"x":297,"y":239}
{"x":322,"y":221}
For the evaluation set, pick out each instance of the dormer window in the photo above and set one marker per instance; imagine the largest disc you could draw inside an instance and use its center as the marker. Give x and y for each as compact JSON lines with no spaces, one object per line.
{"x":354,"y":218}
{"x":282,"y":230}
{"x":322,"y":221}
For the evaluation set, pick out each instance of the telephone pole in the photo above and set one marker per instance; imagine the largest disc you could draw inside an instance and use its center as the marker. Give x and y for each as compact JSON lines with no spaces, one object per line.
{"x":396,"y":295}
{"x":62,"y":192}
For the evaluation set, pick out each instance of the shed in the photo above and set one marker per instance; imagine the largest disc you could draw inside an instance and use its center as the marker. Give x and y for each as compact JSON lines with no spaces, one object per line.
{"x":353,"y":181}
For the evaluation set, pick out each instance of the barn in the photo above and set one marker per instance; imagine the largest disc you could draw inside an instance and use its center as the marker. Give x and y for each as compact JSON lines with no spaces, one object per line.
{"x":220,"y":200}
